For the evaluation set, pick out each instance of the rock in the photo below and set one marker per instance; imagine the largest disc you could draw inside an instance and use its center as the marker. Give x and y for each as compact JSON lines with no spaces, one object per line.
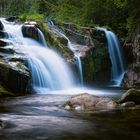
{"x":1,"y":26}
{"x":57,"y":42}
{"x":79,"y":108}
{"x":13,"y":19}
{"x":7,"y":50}
{"x":3,"y":34}
{"x":5,"y":42}
{"x":131,"y":95}
{"x":14,"y":76}
{"x":128,"y":104}
{"x":30,"y":31}
{"x":106,"y":103}
{"x":132,"y":76}
{"x":91,"y":46}
{"x":2,"y":124}
{"x":67,"y":107}
{"x":87,"y":102}
{"x":132,"y":52}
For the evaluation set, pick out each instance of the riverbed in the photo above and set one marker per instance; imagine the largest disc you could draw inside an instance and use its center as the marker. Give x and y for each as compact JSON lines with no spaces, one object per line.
{"x":43,"y":117}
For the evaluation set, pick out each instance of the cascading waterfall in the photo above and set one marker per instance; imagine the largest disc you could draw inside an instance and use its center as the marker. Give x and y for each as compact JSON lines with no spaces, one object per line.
{"x":115,"y":52}
{"x":71,"y":47}
{"x":48,"y":70}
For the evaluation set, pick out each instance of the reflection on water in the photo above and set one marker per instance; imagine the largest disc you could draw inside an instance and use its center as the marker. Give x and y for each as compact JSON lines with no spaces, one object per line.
{"x":42,"y":117}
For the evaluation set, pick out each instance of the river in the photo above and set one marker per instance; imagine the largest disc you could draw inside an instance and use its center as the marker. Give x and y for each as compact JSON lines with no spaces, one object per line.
{"x":43,"y":117}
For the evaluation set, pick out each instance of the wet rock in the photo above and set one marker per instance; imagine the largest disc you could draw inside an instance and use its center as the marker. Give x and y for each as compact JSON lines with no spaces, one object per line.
{"x":132,"y":76}
{"x":13,"y":19}
{"x":14,"y":76}
{"x":91,"y":45}
{"x":1,"y":26}
{"x":2,"y":124}
{"x":57,"y":42}
{"x":87,"y":102}
{"x":132,"y":52}
{"x":5,"y":42}
{"x":128,"y":104}
{"x":30,"y":31}
{"x":3,"y":34}
{"x":7,"y":50}
{"x":131,"y":95}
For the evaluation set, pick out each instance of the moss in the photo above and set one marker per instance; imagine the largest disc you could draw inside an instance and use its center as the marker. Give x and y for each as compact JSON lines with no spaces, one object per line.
{"x":56,"y":42}
{"x":19,"y":65}
{"x":4,"y":92}
{"x":32,"y":17}
{"x":131,"y":95}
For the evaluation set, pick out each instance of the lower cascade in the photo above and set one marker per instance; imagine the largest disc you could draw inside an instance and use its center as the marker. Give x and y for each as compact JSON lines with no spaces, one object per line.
{"x":48,"y":70}
{"x":115,"y":53}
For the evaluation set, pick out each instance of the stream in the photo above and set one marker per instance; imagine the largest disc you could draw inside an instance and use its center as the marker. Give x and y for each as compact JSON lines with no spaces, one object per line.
{"x":43,"y":117}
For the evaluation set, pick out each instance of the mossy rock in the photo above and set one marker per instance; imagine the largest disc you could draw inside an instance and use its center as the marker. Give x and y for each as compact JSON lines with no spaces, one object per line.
{"x":131,"y":95}
{"x":56,"y":42}
{"x":4,"y":92}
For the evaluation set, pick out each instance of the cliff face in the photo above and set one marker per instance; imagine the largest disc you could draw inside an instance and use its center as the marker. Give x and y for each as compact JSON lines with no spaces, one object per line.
{"x":132,"y":49}
{"x":91,"y":45}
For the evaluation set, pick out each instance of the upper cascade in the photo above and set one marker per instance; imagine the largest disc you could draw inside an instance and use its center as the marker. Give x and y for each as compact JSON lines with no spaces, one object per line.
{"x":71,"y":47}
{"x":49,"y":71}
{"x":117,"y":60}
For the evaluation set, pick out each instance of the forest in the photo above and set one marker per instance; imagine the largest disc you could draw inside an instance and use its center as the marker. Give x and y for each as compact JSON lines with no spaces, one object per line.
{"x":120,"y":15}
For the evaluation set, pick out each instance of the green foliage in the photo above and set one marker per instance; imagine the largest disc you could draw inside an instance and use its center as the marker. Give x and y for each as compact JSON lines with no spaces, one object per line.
{"x":32,"y":17}
{"x":119,"y":15}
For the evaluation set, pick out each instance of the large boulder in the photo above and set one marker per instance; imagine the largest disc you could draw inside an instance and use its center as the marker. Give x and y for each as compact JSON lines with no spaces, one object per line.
{"x":87,"y":102}
{"x":14,"y":76}
{"x":30,"y":31}
{"x":131,"y":95}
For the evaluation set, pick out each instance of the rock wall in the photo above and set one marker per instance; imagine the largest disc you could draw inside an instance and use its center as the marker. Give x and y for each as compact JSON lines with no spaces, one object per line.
{"x":92,"y":46}
{"x":132,"y":49}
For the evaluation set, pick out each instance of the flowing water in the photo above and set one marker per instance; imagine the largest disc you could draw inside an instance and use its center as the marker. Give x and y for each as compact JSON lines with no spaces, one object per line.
{"x":48,"y":70}
{"x":115,"y":53}
{"x":71,"y":47}
{"x":42,"y":117}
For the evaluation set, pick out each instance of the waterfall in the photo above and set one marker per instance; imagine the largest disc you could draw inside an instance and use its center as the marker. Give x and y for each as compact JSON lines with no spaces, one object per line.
{"x":115,"y":53}
{"x":71,"y":47}
{"x":48,"y":70}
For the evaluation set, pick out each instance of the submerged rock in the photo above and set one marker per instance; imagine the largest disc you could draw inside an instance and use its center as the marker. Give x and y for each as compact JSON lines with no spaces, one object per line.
{"x":131,"y":95}
{"x":87,"y":102}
